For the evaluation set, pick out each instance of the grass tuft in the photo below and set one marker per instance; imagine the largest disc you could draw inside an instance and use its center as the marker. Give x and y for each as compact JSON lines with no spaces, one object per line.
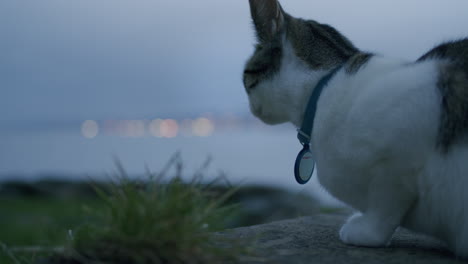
{"x":154,"y":221}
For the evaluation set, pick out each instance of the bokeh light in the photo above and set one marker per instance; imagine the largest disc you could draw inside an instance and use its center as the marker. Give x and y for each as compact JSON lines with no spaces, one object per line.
{"x":203,"y":127}
{"x":169,"y":128}
{"x":89,"y":129}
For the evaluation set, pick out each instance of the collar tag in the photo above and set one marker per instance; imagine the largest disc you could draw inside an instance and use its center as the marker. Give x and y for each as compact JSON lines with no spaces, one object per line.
{"x":304,"y":166}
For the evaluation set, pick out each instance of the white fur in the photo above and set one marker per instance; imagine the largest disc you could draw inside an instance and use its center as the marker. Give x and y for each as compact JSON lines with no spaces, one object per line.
{"x":374,"y":138}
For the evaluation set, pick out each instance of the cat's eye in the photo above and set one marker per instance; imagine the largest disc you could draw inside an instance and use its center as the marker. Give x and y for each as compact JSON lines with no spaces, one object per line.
{"x":250,"y":83}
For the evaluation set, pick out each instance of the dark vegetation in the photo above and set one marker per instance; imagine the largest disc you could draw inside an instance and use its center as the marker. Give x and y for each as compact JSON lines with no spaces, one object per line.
{"x":161,"y":219}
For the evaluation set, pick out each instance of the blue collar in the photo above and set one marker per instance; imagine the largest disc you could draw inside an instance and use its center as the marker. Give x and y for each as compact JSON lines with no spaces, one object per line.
{"x":304,"y":133}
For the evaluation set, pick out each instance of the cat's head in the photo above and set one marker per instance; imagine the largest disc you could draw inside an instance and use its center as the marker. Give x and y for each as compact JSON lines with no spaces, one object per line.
{"x":290,"y":56}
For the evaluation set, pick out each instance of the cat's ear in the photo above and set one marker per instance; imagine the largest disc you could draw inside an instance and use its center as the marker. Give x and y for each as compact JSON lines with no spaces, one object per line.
{"x":268,"y":18}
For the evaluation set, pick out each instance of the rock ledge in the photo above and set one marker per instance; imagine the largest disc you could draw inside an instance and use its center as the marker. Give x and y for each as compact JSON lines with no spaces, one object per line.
{"x":315,"y":239}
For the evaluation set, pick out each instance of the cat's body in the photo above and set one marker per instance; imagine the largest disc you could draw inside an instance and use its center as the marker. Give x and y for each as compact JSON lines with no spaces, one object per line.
{"x":390,"y":136}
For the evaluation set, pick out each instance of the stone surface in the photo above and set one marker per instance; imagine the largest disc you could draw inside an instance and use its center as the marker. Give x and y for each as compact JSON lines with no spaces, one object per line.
{"x":315,"y":239}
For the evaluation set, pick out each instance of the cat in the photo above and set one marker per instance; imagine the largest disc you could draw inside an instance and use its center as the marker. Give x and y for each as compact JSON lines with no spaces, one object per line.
{"x":390,"y":136}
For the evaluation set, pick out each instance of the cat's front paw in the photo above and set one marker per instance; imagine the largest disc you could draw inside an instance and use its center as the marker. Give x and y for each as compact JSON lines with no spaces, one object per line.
{"x":360,"y":231}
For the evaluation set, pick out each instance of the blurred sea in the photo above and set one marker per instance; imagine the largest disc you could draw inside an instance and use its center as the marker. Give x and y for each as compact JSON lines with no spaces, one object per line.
{"x":249,"y":155}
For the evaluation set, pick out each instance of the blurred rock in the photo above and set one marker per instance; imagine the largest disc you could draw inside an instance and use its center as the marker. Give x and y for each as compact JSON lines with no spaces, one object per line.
{"x":315,"y":239}
{"x":50,"y":188}
{"x":261,"y":204}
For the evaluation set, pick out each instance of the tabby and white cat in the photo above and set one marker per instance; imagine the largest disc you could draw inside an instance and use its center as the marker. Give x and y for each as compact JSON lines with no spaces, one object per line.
{"x":390,"y":136}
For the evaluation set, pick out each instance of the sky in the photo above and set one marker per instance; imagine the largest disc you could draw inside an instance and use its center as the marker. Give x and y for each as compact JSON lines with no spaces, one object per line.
{"x":101,"y":59}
